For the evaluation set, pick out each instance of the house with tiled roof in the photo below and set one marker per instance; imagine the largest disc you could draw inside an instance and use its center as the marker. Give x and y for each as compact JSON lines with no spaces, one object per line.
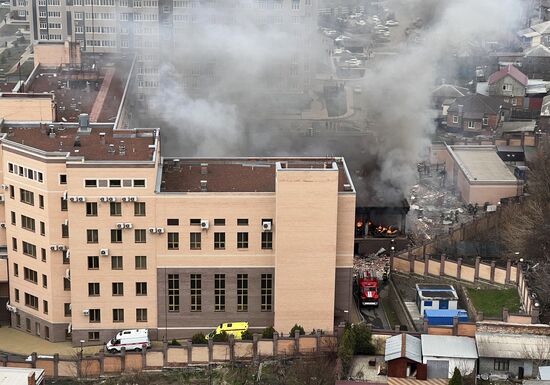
{"x":509,"y":83}
{"x":473,"y":114}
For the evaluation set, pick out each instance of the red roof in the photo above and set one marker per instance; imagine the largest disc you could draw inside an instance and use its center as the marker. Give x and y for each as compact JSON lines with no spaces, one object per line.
{"x":509,"y":70}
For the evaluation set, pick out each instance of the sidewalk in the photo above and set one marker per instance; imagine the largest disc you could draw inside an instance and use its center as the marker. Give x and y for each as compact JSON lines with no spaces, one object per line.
{"x":17,"y":342}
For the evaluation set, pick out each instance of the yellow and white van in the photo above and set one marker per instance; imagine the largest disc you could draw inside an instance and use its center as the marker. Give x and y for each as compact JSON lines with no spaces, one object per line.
{"x":231,"y":328}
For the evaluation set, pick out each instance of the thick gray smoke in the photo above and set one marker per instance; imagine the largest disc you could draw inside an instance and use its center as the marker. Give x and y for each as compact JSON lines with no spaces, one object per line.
{"x":244,"y":60}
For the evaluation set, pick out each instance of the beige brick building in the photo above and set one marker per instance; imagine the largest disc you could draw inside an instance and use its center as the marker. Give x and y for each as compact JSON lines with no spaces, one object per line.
{"x":104,"y":234}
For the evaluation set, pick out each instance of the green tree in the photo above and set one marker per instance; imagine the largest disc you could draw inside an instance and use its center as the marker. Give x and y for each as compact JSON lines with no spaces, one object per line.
{"x":297,"y":327}
{"x":175,"y":342}
{"x":247,"y":335}
{"x":362,"y":338}
{"x":345,"y":350}
{"x":198,"y":339}
{"x":456,"y":379}
{"x":221,"y":337}
{"x":268,"y":332}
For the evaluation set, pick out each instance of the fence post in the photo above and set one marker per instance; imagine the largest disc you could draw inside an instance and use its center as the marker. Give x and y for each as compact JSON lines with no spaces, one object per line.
{"x":33,"y":359}
{"x":317,"y":341}
{"x":455,"y":326}
{"x":4,"y":360}
{"x":231,"y":348}
{"x":165,"y":353}
{"x":296,"y":341}
{"x":275,"y":343}
{"x":210,"y":350}
{"x":143,"y":358}
{"x":478,"y":261}
{"x":424,"y":325}
{"x":479,"y":316}
{"x":493,"y":265}
{"x":56,"y":365}
{"x":255,"y":338}
{"x":101,"y":355}
{"x":442,"y":266}
{"x":508,"y":270}
{"x":535,"y":316}
{"x":123,"y":359}
{"x":459,"y":269}
{"x":426,"y":266}
{"x":505,"y":314}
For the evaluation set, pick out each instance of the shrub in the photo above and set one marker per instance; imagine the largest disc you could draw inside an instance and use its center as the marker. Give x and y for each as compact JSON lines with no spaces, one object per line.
{"x":297,"y":327}
{"x":268,"y":332}
{"x":247,"y":335}
{"x":175,"y":342}
{"x":198,"y":339}
{"x":222,"y":337}
{"x":362,"y":339}
{"x":456,"y":379}
{"x":345,"y":350}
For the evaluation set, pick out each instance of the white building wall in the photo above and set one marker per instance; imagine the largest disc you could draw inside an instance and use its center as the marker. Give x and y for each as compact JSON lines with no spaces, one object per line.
{"x":465,"y":365}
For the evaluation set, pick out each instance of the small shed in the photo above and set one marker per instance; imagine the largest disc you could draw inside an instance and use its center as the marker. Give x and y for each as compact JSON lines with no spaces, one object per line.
{"x":544,"y":373}
{"x":403,"y":356}
{"x":435,"y":296}
{"x":21,"y":376}
{"x":442,"y":354}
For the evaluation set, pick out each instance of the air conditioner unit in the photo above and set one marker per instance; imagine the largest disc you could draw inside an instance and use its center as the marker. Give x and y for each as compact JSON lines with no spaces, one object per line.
{"x":70,"y":306}
{"x":9,"y":307}
{"x":5,"y":186}
{"x":2,"y":225}
{"x":126,"y":199}
{"x":73,"y":199}
{"x":14,"y":310}
{"x":111,"y":199}
{"x":204,"y":224}
{"x":152,"y":230}
{"x":103,"y":199}
{"x":1,"y":198}
{"x":53,"y":247}
{"x":64,"y":195}
{"x":104,"y":252}
{"x":61,"y":247}
{"x":160,"y":230}
{"x":133,"y":199}
{"x":266,"y":226}
{"x":120,"y":226}
{"x":82,"y":199}
{"x":128,"y":226}
{"x":86,"y":312}
{"x":68,"y":273}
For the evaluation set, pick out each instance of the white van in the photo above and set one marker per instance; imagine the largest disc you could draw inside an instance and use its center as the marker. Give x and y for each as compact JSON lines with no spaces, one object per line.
{"x":134,"y":339}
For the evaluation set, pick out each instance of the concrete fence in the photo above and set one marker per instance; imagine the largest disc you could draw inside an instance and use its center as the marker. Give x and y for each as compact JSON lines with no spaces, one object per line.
{"x":104,"y":364}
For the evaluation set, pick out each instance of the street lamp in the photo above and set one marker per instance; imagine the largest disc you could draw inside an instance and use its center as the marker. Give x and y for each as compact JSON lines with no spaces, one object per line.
{"x":81,"y":347}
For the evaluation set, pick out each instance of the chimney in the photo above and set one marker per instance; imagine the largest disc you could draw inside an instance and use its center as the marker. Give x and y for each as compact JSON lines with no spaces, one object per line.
{"x":102,"y":137}
{"x":204,"y":169}
{"x":30,"y":379}
{"x":203,"y":186}
{"x":83,"y":124}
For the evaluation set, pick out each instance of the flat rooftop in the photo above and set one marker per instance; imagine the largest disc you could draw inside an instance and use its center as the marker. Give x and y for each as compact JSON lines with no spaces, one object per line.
{"x":95,"y":92}
{"x":237,"y":174}
{"x":481,"y":163}
{"x":101,"y":144}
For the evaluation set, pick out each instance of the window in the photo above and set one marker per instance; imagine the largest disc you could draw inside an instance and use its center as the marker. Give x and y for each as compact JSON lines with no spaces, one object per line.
{"x":242,"y":292}
{"x":93,"y":289}
{"x":485,"y":121}
{"x":267,"y":292}
{"x":26,"y":196}
{"x":140,"y":236}
{"x":16,"y":295}
{"x":141,"y":262}
{"x":471,"y":124}
{"x":242,"y":222}
{"x":14,"y":243}
{"x":13,"y":218}
{"x":45,"y":307}
{"x":93,"y":336}
{"x":427,"y":303}
{"x":115,"y":183}
{"x":64,"y":231}
{"x":67,"y":309}
{"x":514,"y":102}
{"x":43,"y":254}
{"x":41,"y":201}
{"x":116,"y":236}
{"x":64,"y":206}
{"x":62,"y":179}
{"x":172,"y":222}
{"x":267,"y":240}
{"x":219,"y":241}
{"x":173,"y":241}
{"x":31,"y":301}
{"x":28,"y":324}
{"x":66,"y":284}
{"x":95,"y":315}
{"x":173,"y":292}
{"x":141,"y":288}
{"x":88,"y":182}
{"x":92,"y":236}
{"x":42,"y":228}
{"x":65,"y":256}
{"x":242,"y":240}
{"x":16,"y":270}
{"x":46,"y":332}
{"x":12,"y":192}
{"x":116,"y":209}
{"x":195,"y":241}
{"x":37,"y":328}
{"x":139,"y":182}
{"x":27,"y":223}
{"x":18,"y":320}
{"x":30,"y":275}
{"x":118,"y":288}
{"x":219,"y":292}
{"x":44,"y":281}
{"x":455,"y":119}
{"x":139,"y":209}
{"x":141,"y":315}
{"x":219,"y":222}
{"x":93,"y":262}
{"x":196,"y":292}
{"x":502,"y":365}
{"x":116,"y":262}
{"x":91,"y":209}
{"x":195,"y":222}
{"x":29,"y":249}
{"x":506,"y":87}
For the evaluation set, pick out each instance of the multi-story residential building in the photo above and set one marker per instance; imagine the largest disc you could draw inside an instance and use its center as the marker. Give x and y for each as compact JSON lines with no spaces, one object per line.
{"x":104,"y":234}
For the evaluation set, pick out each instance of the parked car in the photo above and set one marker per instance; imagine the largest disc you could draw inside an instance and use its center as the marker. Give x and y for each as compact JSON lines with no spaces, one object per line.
{"x":392,"y":23}
{"x":233,"y":328}
{"x":134,"y":339}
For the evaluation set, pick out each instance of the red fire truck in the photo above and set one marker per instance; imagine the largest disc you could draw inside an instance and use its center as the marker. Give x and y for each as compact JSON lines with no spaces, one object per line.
{"x":367,"y":286}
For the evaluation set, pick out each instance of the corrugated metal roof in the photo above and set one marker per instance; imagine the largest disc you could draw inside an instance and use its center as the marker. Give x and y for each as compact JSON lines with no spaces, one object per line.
{"x":412,"y":349}
{"x":448,"y":346}
{"x":512,"y":345}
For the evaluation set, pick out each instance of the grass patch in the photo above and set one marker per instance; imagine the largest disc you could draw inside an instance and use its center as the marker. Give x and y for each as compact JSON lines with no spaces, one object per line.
{"x":491,"y":301}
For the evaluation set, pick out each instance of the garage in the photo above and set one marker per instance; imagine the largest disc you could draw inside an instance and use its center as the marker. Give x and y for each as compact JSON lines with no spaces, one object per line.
{"x":438,"y":369}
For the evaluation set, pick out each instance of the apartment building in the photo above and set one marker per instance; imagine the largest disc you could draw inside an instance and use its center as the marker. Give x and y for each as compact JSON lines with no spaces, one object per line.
{"x":104,"y":234}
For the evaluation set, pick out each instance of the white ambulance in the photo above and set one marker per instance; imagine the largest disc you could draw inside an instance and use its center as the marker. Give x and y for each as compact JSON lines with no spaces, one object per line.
{"x":134,"y":339}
